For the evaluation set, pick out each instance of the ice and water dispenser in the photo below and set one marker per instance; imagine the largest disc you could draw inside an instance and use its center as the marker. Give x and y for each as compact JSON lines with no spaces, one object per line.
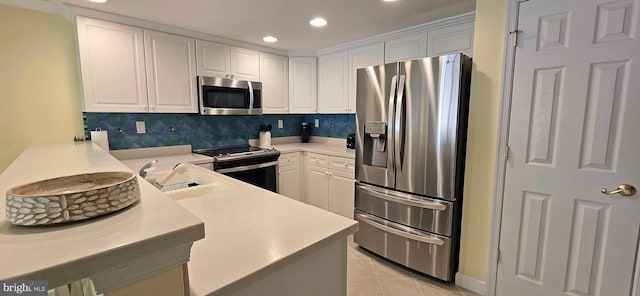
{"x":375,"y":144}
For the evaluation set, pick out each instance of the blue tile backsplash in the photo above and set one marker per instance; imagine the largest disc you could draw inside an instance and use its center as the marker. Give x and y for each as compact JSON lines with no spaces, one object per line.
{"x":207,"y":131}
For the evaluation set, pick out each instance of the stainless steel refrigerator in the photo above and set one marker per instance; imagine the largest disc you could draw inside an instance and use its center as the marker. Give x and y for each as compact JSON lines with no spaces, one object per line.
{"x":410,"y":146}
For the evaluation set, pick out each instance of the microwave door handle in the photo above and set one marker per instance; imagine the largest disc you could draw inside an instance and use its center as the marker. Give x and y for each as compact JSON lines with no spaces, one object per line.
{"x":250,"y":111}
{"x":398,"y":127}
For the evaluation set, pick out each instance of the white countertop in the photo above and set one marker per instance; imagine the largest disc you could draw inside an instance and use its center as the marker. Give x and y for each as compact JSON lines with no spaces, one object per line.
{"x":335,"y":150}
{"x":166,"y":162}
{"x":251,"y":231}
{"x":67,"y":252}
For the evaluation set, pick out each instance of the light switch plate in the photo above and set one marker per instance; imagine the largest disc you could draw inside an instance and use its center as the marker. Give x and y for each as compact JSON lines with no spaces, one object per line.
{"x":317,"y":123}
{"x":280,"y":123}
{"x":140,"y":127}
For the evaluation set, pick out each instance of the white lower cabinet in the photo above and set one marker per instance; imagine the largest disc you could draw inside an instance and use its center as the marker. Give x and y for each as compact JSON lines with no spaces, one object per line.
{"x":329,"y":183}
{"x":290,"y":175}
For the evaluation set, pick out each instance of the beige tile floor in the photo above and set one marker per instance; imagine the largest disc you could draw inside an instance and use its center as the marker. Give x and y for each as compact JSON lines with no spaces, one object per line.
{"x":370,"y":275}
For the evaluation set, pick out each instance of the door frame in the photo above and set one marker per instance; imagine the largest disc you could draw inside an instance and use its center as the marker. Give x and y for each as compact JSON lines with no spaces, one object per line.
{"x":508,"y":64}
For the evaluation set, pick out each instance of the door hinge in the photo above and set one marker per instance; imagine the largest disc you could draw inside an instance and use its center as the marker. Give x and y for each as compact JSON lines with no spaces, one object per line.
{"x":498,"y":256}
{"x":515,"y":34}
{"x":506,"y":152}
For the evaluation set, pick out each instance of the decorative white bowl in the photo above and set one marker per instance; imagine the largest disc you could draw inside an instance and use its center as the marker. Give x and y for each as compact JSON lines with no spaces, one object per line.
{"x":71,"y":198}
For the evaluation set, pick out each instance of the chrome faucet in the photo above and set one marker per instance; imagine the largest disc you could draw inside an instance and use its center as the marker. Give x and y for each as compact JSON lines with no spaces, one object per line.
{"x":143,"y":171}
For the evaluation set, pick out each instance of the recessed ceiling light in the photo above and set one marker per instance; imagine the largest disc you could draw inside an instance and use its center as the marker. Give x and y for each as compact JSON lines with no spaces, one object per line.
{"x":318,"y":22}
{"x":269,"y":39}
{"x":98,"y":1}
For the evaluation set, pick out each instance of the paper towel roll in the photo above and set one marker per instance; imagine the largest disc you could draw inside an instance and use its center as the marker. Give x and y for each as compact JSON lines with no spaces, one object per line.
{"x":101,"y":138}
{"x":265,"y":139}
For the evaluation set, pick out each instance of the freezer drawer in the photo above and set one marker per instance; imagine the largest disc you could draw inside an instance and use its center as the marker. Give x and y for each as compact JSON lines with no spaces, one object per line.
{"x":419,"y":250}
{"x":416,"y":211}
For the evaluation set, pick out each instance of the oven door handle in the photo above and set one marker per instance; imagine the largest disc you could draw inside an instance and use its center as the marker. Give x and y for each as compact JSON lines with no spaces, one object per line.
{"x":372,"y":221}
{"x":247,"y":167}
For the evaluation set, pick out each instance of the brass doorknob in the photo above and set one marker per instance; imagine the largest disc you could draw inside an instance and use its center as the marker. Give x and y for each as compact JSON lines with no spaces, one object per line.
{"x":623,"y":189}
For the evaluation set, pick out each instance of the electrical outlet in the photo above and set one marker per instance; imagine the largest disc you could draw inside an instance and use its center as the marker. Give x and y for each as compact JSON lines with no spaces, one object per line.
{"x":317,"y":123}
{"x":280,"y":123}
{"x":140,"y":127}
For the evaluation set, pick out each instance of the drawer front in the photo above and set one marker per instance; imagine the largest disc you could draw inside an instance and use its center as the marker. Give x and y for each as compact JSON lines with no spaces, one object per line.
{"x":342,"y":164}
{"x":419,"y":250}
{"x":419,"y":212}
{"x":318,"y":160}
{"x":289,"y":159}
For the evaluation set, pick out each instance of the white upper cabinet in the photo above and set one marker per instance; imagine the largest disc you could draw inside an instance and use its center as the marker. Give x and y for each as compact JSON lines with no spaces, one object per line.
{"x":112,"y":66}
{"x":361,"y":57}
{"x":302,"y":85}
{"x":213,"y":59}
{"x":451,"y":39}
{"x":129,"y":69}
{"x":333,"y":83}
{"x":447,"y":39}
{"x":245,"y":64}
{"x":406,"y":48}
{"x":274,"y":73}
{"x":224,"y":61}
{"x":171,"y":73}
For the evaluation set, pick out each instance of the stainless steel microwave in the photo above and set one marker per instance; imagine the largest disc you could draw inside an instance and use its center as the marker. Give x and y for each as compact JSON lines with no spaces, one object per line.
{"x":221,"y":96}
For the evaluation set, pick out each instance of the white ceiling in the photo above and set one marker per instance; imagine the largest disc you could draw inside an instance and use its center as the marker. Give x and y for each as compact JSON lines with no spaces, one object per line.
{"x":250,"y":20}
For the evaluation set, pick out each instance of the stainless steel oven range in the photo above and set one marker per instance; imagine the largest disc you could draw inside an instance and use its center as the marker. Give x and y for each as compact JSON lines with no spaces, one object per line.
{"x":254,"y":165}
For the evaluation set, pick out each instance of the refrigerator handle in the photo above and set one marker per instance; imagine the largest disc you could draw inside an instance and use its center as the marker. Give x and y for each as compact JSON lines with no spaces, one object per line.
{"x":398,"y":127}
{"x":392,"y":102}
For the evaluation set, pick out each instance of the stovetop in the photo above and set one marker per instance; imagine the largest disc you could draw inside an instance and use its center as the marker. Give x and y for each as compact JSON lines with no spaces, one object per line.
{"x":237,"y":152}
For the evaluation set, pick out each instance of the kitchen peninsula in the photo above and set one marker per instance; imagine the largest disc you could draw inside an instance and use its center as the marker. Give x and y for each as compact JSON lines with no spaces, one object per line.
{"x":255,"y":242}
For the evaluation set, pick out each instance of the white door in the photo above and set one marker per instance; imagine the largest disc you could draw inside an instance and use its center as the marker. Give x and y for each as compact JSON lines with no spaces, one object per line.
{"x":302,"y":85}
{"x":341,"y":193}
{"x":317,"y":187}
{"x":333,"y":83}
{"x":274,"y":74}
{"x":290,"y":181}
{"x":574,"y":129}
{"x":112,"y":66}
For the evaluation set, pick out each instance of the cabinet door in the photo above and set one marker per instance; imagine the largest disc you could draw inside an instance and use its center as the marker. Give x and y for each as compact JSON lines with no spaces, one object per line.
{"x":112,"y":66}
{"x":290,"y":181}
{"x":274,"y":73}
{"x":359,"y":58}
{"x":333,"y":83}
{"x":451,"y":39}
{"x":213,"y":59}
{"x":245,"y":64}
{"x":302,"y":85}
{"x":341,"y":193}
{"x":317,"y":187}
{"x":406,"y":48}
{"x":171,"y":73}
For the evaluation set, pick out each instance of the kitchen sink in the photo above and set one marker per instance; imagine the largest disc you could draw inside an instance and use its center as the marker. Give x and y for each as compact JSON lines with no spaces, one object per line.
{"x":192,"y":182}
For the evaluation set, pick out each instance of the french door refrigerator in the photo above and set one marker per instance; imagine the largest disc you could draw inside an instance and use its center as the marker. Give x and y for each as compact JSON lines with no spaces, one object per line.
{"x":410,"y":146}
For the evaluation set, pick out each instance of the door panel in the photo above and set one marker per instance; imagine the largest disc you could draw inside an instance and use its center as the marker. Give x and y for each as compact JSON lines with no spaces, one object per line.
{"x":428,"y":141}
{"x":573,"y":131}
{"x":376,"y":87}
